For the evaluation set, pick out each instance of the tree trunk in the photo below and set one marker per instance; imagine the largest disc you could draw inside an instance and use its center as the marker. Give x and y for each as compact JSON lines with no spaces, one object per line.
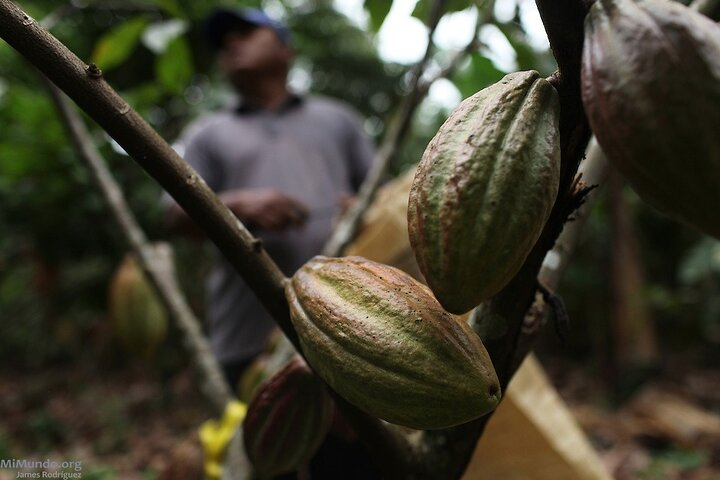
{"x":633,"y":330}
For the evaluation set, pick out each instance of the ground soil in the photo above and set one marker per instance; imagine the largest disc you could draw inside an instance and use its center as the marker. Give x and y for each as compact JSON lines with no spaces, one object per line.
{"x":131,"y":423}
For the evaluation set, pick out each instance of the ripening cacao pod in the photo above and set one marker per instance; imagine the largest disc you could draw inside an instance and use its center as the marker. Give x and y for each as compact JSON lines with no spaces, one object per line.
{"x":380,"y":339}
{"x":651,"y":90}
{"x":253,"y":376}
{"x":484,"y":189}
{"x":287,"y":420}
{"x":138,"y":317}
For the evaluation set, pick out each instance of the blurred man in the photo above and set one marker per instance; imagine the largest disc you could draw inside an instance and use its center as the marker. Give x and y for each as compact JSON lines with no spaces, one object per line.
{"x":281,"y":162}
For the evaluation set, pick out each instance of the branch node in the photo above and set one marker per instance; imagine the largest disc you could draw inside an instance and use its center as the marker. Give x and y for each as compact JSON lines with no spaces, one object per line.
{"x":27,"y":20}
{"x":257,"y":245}
{"x":93,"y":71}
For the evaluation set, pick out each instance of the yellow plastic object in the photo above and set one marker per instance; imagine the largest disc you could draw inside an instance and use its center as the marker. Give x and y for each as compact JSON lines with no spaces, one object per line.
{"x":215,"y":435}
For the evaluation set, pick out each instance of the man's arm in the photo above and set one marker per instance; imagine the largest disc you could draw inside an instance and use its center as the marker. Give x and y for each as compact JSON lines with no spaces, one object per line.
{"x":266,"y":209}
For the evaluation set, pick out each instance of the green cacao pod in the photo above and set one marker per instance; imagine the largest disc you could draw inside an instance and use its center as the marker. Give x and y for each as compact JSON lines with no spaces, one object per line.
{"x":139,"y":318}
{"x":484,"y":189}
{"x":380,"y":339}
{"x":287,"y":420}
{"x":651,"y":90}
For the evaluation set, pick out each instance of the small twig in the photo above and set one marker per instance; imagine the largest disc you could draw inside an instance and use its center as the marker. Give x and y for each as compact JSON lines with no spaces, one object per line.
{"x":348,"y":225}
{"x":456,"y":60}
{"x":593,"y":171}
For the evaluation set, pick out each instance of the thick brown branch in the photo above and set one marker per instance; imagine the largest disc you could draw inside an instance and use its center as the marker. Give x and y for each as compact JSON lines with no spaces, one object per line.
{"x":85,"y":85}
{"x":564,"y":25}
{"x":396,"y":134}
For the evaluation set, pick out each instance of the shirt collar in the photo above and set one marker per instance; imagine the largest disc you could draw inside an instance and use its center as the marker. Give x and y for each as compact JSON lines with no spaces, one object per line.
{"x":293,"y":100}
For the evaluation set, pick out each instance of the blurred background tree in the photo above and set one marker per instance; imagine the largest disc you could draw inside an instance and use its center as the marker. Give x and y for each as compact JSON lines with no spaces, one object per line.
{"x":58,"y":247}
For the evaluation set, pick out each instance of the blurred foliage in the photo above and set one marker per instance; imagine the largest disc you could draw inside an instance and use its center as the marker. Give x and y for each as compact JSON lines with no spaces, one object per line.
{"x":682,"y":287}
{"x":673,"y":464}
{"x":59,"y":246}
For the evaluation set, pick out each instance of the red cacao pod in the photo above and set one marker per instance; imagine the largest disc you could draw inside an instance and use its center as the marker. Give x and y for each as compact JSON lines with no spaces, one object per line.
{"x":287,"y":419}
{"x":651,"y":90}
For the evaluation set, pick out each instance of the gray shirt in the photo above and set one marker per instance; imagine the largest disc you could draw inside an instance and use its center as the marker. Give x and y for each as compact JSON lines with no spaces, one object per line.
{"x":313,"y":149}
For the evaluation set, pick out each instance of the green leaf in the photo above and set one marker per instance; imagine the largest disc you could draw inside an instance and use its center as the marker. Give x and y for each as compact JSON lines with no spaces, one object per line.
{"x":422,"y":7}
{"x":115,"y":46}
{"x":479,"y":74}
{"x":378,"y":10}
{"x":170,"y":7}
{"x":174,"y":67}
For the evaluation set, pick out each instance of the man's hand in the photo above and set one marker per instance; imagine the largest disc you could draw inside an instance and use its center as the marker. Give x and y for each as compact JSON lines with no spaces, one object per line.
{"x":265,"y":208}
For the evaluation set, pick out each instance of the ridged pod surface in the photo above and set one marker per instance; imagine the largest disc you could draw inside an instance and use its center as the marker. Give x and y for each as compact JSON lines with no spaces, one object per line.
{"x":651,"y":90}
{"x":380,"y":339}
{"x":287,"y":420}
{"x":484,"y":189}
{"x":139,"y":319}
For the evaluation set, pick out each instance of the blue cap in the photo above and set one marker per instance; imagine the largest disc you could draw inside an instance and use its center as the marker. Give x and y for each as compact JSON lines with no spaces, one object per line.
{"x":223,"y":20}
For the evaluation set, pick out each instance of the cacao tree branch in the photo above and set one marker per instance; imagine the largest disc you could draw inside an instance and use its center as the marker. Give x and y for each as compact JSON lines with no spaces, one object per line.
{"x":399,"y":126}
{"x":85,"y":85}
{"x":157,"y":264}
{"x":160,"y":273}
{"x":593,"y":171}
{"x":456,"y":60}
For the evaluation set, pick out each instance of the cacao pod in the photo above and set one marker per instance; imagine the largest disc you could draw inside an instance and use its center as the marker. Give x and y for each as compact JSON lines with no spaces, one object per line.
{"x":380,"y":339}
{"x":253,"y":376}
{"x":651,"y":90}
{"x":139,"y":318}
{"x":484,"y":189}
{"x":287,"y":419}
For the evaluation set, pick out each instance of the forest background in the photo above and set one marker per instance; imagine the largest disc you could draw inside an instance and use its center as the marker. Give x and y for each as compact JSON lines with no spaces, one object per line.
{"x":68,"y":390}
